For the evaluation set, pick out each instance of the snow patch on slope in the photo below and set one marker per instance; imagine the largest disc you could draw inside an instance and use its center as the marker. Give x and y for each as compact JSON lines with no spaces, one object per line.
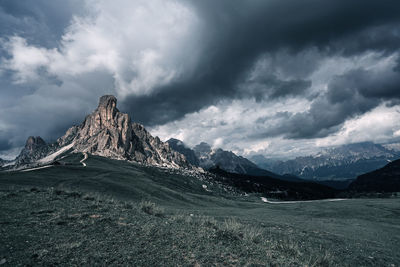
{"x":9,"y":164}
{"x":54,"y":155}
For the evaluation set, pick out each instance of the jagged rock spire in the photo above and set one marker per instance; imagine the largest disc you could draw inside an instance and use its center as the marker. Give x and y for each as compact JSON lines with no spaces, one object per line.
{"x":107,"y":109}
{"x":107,"y":101}
{"x":110,"y":133}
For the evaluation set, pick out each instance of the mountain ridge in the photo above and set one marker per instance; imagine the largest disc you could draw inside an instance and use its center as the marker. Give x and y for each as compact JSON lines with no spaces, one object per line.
{"x":109,"y":133}
{"x":207,"y":158}
{"x":340,"y":163}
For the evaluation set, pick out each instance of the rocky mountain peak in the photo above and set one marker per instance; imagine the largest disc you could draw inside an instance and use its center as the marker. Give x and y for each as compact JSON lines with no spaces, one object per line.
{"x":175,"y":141}
{"x":107,"y":109}
{"x":33,"y":143}
{"x":202,"y":148}
{"x":106,"y":132}
{"x":204,"y":156}
{"x":107,"y":101}
{"x":110,"y":133}
{"x":180,"y":147}
{"x":35,"y":148}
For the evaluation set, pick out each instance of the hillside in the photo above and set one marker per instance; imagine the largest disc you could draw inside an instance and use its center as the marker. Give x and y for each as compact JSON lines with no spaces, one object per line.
{"x":104,"y":213}
{"x":275,"y":188}
{"x":386,"y":179}
{"x":120,"y":178}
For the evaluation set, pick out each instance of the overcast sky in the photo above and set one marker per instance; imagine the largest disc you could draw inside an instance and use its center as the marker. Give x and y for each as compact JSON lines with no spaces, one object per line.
{"x":272,"y":77}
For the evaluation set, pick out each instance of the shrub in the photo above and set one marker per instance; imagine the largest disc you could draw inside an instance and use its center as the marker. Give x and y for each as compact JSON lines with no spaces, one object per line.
{"x":323,"y":258}
{"x":288,"y":246}
{"x":151,"y":208}
{"x":179,"y":218}
{"x":252,"y":234}
{"x":207,"y":221}
{"x":231,"y":225}
{"x":230,"y":230}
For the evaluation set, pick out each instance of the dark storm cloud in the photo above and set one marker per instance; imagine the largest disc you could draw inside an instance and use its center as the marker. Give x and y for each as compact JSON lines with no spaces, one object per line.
{"x":270,"y":87}
{"x":41,"y":22}
{"x":397,"y":67}
{"x":52,"y":111}
{"x":237,"y":33}
{"x":383,"y":38}
{"x":348,"y":95}
{"x":368,"y":84}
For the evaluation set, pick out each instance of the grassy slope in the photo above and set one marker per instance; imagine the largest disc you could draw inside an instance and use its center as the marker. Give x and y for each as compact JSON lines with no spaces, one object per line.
{"x":116,"y":178}
{"x":111,"y":227}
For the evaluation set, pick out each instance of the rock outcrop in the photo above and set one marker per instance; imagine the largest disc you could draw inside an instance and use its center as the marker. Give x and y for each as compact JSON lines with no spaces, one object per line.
{"x":35,"y":148}
{"x":203,"y":155}
{"x":226,"y":160}
{"x":179,"y":146}
{"x":110,"y":133}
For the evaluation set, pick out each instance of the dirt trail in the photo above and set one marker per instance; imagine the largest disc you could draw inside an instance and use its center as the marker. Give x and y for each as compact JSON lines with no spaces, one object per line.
{"x":85,"y":156}
{"x":263,"y":199}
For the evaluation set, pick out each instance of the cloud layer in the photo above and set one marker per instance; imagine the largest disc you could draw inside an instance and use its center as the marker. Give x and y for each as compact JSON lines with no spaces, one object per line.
{"x":238,"y":74}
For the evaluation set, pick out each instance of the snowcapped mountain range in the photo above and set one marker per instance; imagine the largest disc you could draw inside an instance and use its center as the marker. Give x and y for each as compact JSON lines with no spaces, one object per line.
{"x":343,"y":162}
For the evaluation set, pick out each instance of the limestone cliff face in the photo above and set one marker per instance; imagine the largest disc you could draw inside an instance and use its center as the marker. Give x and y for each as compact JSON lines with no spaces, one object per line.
{"x":108,"y":132}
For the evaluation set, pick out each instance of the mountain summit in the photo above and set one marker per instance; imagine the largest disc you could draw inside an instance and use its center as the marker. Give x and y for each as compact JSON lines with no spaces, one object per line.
{"x":35,"y":148}
{"x":106,"y":132}
{"x":109,"y":133}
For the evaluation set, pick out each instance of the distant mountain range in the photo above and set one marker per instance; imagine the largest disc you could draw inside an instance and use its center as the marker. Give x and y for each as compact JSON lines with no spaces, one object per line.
{"x":202,"y":155}
{"x":341,"y":163}
{"x":226,"y":160}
